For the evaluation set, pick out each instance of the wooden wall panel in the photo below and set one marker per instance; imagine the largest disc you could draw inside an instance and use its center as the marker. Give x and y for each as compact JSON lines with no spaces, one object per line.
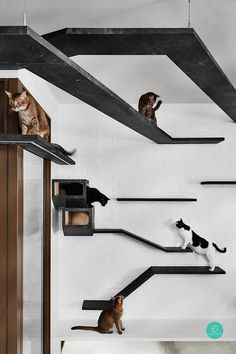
{"x":11,"y":235}
{"x":3,"y":248}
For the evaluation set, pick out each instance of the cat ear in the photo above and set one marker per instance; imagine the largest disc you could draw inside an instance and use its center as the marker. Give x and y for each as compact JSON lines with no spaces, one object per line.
{"x":23,"y":94}
{"x":181,"y":219}
{"x":9,"y":94}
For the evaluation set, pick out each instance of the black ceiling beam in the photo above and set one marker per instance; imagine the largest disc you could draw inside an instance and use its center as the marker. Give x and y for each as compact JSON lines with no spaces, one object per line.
{"x":142,"y":278}
{"x":182,"y":45}
{"x":21,"y":47}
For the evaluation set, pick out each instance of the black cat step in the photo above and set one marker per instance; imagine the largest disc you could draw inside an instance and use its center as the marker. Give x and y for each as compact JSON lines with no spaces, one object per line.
{"x":78,"y":221}
{"x":156,"y":199}
{"x":31,"y":51}
{"x":218,"y":182}
{"x":199,"y":65}
{"x":37,"y":146}
{"x":61,"y":199}
{"x":62,"y":345}
{"x":141,"y":279}
{"x":144,"y":240}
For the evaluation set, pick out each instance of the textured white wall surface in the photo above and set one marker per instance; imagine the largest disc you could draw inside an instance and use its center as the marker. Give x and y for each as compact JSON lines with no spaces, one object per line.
{"x":122,"y":163}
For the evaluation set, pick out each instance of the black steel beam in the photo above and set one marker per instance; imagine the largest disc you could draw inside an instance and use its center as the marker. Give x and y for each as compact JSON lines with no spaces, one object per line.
{"x":182,"y":45}
{"x":141,"y":279}
{"x":21,"y":47}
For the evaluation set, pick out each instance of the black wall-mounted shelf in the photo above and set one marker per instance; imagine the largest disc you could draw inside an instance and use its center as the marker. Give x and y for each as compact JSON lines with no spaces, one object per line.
{"x":140,"y":280}
{"x":143,"y":240}
{"x":37,"y":146}
{"x":33,"y":52}
{"x":218,"y":182}
{"x":61,"y":199}
{"x":156,"y":199}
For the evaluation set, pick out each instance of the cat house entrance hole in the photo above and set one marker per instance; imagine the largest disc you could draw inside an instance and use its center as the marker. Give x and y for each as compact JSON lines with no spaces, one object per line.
{"x":78,"y":221}
{"x":76,"y":218}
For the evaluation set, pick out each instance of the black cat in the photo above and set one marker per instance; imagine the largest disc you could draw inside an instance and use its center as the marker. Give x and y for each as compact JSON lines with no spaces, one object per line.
{"x":92,"y":194}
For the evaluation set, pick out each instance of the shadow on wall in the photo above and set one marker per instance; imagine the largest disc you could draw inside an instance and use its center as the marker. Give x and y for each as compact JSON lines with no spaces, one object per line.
{"x":149,"y":347}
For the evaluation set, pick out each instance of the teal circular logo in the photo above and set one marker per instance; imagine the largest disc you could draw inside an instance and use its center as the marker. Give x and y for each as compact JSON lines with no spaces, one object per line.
{"x":214,"y":330}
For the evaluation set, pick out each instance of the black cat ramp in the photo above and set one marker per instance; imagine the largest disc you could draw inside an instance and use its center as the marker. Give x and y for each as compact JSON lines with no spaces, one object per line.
{"x":135,"y":284}
{"x":29,"y":50}
{"x":143,"y":240}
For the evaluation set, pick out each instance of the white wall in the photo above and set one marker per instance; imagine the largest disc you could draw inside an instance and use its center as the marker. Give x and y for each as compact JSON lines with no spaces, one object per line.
{"x":120,"y":163}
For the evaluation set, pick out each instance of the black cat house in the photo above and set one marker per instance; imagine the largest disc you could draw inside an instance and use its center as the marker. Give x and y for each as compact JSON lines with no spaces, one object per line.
{"x":78,"y":221}
{"x":62,"y":196}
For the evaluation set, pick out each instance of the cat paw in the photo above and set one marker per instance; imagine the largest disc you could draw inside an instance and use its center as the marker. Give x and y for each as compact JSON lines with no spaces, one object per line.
{"x":212,"y":269}
{"x":120,"y":332}
{"x":123,"y":328}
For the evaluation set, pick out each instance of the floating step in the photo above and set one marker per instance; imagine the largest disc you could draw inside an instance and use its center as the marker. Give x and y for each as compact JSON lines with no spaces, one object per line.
{"x":144,"y":240}
{"x":61,"y":199}
{"x":37,"y":146}
{"x":182,"y":45}
{"x":140,"y":280}
{"x":31,"y":51}
{"x":156,"y":199}
{"x":218,"y":182}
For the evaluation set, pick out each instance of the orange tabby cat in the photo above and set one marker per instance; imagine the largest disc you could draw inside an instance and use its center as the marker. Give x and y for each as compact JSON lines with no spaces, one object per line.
{"x":108,"y":318}
{"x":32,"y":117}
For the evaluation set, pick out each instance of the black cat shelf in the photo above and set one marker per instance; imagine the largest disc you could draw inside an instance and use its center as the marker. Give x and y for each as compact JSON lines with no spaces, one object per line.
{"x":142,"y":278}
{"x":61,"y":199}
{"x":156,"y":199}
{"x":218,"y":182}
{"x":78,"y":221}
{"x":37,"y":146}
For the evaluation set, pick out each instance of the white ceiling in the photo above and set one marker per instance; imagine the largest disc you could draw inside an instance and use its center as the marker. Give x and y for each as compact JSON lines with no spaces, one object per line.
{"x":214,"y":21}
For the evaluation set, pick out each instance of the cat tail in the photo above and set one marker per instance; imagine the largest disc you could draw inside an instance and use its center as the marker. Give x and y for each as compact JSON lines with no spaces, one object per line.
{"x":86,"y":328}
{"x":218,"y":249}
{"x":70,"y":153}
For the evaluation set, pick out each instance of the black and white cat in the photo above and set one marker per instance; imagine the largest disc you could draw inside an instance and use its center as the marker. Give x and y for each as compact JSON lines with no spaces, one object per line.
{"x":197,"y":243}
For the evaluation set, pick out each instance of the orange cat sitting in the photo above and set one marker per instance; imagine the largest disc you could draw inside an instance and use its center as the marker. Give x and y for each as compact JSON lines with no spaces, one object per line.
{"x":32,"y":118}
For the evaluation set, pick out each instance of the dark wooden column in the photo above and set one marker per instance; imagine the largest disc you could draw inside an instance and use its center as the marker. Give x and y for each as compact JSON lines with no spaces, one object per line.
{"x":11,"y":235}
{"x":47,"y":258}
